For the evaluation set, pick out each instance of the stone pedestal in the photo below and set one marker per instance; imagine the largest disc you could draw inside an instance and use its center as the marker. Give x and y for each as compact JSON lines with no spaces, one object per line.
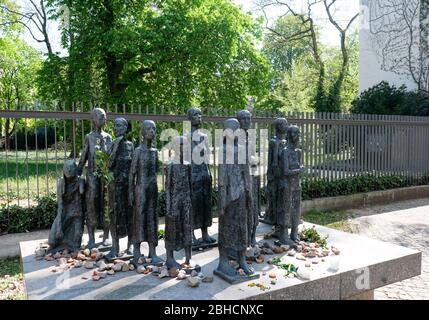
{"x":363,"y":265}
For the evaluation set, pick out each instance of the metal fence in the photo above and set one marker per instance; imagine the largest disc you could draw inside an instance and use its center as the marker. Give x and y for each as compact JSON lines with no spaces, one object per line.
{"x":335,"y":146}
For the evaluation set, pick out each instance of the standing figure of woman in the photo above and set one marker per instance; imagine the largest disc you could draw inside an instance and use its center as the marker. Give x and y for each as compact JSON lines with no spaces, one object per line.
{"x":143,"y":193}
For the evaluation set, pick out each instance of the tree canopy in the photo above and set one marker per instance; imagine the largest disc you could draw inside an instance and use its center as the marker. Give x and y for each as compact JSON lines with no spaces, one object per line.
{"x":169,"y":52}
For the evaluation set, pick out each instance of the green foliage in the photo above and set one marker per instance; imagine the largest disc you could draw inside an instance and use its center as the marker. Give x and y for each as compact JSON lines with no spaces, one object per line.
{"x":331,"y":219}
{"x":295,"y":76}
{"x":283,"y":55}
{"x":19,"y":62}
{"x":311,"y":235}
{"x":161,"y":234}
{"x":11,"y":280}
{"x":103,"y":172}
{"x":384,"y":98}
{"x":161,"y":204}
{"x":288,"y":267}
{"x":169,"y":53}
{"x":320,"y":188}
{"x":15,"y":219}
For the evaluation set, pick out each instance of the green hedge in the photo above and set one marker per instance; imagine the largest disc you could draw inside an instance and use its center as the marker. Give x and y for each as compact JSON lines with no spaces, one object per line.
{"x":15,"y":219}
{"x":18,"y":219}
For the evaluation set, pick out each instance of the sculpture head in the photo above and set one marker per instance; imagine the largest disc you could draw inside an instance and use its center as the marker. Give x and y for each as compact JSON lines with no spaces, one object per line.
{"x":231,"y":124}
{"x":281,"y":125}
{"x":245,"y":119}
{"x":293,"y":134}
{"x":70,"y":168}
{"x":98,"y":117}
{"x":148,"y":130}
{"x":121,"y":126}
{"x":195,"y":116}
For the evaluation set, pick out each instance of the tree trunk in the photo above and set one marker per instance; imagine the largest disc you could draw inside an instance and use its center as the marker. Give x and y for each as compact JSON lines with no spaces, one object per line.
{"x":8,"y":133}
{"x":424,"y":46}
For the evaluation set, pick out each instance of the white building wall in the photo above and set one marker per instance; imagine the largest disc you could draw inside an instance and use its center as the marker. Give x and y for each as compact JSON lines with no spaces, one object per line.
{"x":383,"y":49}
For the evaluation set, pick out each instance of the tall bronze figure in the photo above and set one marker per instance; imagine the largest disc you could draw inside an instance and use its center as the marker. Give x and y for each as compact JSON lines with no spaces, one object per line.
{"x":245,"y":119}
{"x":143,"y":193}
{"x":178,"y":226}
{"x":277,"y":144}
{"x":94,"y":193}
{"x":201,"y":180}
{"x":290,"y":187}
{"x":121,"y":153}
{"x":67,"y":229}
{"x":235,"y":192}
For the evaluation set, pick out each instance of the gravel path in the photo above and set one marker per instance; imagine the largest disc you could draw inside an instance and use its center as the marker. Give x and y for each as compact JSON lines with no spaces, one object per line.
{"x":404,"y":223}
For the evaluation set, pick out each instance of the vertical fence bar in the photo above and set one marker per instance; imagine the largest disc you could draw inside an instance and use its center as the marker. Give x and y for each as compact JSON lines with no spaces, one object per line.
{"x":55,"y":142}
{"x":355,"y":147}
{"x":37,"y":160}
{"x":26,"y":161}
{"x":310,"y":148}
{"x":16,"y":160}
{"x":46,"y":159}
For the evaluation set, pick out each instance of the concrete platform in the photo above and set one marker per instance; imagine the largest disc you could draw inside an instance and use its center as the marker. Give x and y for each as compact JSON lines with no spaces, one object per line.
{"x":363,"y":265}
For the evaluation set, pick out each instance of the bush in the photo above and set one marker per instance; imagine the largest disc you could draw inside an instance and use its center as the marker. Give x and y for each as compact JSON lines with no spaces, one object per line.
{"x":312,"y":189}
{"x":390,"y":100}
{"x":15,"y":219}
{"x":19,"y":219}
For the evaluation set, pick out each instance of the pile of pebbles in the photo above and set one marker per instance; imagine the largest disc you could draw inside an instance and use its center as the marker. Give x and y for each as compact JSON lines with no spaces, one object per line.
{"x":93,"y":259}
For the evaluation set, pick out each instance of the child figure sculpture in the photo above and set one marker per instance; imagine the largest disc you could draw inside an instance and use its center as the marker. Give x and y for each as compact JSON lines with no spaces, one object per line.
{"x":94,"y":141}
{"x":67,"y":229}
{"x":290,"y":187}
{"x":143,"y":194}
{"x":121,"y":153}
{"x":178,"y":224}
{"x":201,"y":181}
{"x":277,"y":144}
{"x":235,"y":192}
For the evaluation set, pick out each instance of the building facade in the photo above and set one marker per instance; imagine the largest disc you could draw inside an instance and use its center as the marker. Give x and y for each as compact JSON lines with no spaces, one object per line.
{"x":394,"y":41}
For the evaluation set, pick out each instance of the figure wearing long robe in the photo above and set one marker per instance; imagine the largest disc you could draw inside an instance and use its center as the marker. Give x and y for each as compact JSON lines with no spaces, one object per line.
{"x":120,"y":165}
{"x":274,"y":198}
{"x":290,"y":188}
{"x":67,"y":229}
{"x":144,"y":167}
{"x":235,"y":192}
{"x":94,"y":189}
{"x":201,"y":187}
{"x":178,"y":220}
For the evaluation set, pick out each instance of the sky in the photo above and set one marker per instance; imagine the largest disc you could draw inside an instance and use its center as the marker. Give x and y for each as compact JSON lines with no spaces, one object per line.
{"x":329,"y":35}
{"x":344,"y":10}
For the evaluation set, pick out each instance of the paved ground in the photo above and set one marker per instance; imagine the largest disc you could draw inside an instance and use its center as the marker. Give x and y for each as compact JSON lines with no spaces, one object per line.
{"x":406,"y":224}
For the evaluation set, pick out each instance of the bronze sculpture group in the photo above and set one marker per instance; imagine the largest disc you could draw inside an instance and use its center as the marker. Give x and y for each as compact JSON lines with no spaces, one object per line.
{"x":133,"y":192}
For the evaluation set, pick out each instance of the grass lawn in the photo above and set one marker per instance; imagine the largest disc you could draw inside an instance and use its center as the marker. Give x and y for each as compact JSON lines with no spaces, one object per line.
{"x":31,"y":175}
{"x":11,"y":280}
{"x":332,"y":219}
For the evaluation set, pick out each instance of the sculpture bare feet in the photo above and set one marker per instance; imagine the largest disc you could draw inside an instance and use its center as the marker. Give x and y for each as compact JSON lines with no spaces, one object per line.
{"x":284,"y":237}
{"x":208,"y":239}
{"x":294,"y":234}
{"x":156,"y":259}
{"x":195,"y":241}
{"x":243,"y":264}
{"x":91,"y":245}
{"x":172,"y":264}
{"x":247,"y":269}
{"x":227,"y":269}
{"x":112,"y":254}
{"x":129,"y":249}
